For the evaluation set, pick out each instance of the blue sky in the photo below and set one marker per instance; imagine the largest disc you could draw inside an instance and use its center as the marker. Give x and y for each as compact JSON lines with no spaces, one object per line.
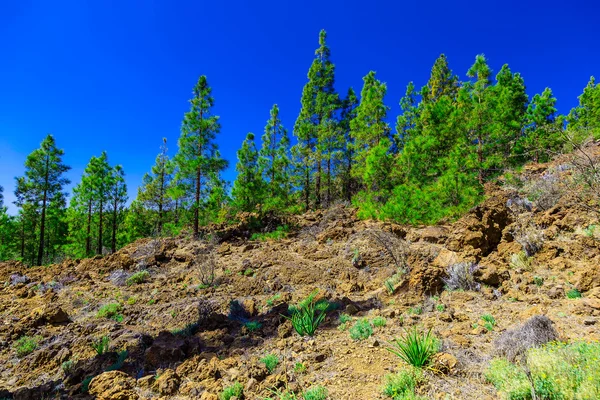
{"x":117,"y":75}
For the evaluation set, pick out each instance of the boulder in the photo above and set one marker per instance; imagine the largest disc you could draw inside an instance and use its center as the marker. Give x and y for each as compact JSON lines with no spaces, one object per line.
{"x":113,"y":385}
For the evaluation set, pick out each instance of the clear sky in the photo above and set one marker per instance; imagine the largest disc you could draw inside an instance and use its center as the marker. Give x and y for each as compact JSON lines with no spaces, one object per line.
{"x":117,"y":75}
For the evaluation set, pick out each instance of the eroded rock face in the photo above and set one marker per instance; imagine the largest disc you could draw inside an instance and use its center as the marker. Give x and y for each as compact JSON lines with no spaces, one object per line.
{"x":113,"y":385}
{"x":168,"y":349}
{"x":167,"y":383}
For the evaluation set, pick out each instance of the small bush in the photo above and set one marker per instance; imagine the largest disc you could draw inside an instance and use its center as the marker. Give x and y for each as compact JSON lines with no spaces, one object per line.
{"x":345,"y":318}
{"x":557,"y":371}
{"x":416,"y":310}
{"x":248,"y":272}
{"x":440,"y":307}
{"x":489,"y":322}
{"x":110,"y":311}
{"x":253,"y":326}
{"x":26,"y":345}
{"x":308,"y":314}
{"x":536,"y":331}
{"x":206,"y":264}
{"x":538,"y":280}
{"x":299,"y":368}
{"x":271,"y":300}
{"x":573,"y":294}
{"x":101,"y":345}
{"x":361,"y":330}
{"x":460,"y":277}
{"x":415,"y":348}
{"x":520,"y":261}
{"x":401,"y":386}
{"x":235,"y":390}
{"x":132,"y":300}
{"x":379,"y":322}
{"x":315,"y":393}
{"x":138,"y":278}
{"x":279,"y":233}
{"x":530,"y":237}
{"x":67,"y":366}
{"x":271,"y":361}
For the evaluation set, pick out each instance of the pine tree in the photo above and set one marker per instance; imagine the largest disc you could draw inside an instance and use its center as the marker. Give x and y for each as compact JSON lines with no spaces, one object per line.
{"x":442,"y":82}
{"x":1,"y":197}
{"x":117,"y":198}
{"x":197,"y":148}
{"x":154,"y":192}
{"x":406,"y":122}
{"x":481,"y":118}
{"x":100,"y":174}
{"x":586,"y":116}
{"x":348,"y":113}
{"x":274,"y":162}
{"x":542,"y":128}
{"x":43,"y":183}
{"x":319,"y":104}
{"x":248,"y":187}
{"x":369,"y":128}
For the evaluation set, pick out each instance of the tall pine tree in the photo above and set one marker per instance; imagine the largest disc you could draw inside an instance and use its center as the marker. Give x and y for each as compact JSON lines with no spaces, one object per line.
{"x":197,"y":157}
{"x":248,"y":187}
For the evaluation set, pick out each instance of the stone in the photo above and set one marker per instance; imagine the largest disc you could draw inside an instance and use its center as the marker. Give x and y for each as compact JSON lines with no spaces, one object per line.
{"x":167,"y":383}
{"x":113,"y":385}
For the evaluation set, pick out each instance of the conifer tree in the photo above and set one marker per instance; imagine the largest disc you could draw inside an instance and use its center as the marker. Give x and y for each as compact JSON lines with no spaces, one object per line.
{"x":319,"y":103}
{"x":348,"y":113}
{"x":154,"y":192}
{"x":369,"y":128}
{"x":43,"y":183}
{"x":100,"y":174}
{"x":586,"y":116}
{"x":248,"y":187}
{"x":442,"y":82}
{"x":481,"y":118}
{"x":275,"y":163}
{"x":117,"y":198}
{"x":542,"y":128}
{"x":196,"y":158}
{"x":406,"y":122}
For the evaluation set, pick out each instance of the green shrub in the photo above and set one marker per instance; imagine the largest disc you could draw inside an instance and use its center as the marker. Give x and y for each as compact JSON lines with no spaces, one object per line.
{"x":110,"y":311}
{"x":308,"y":314}
{"x":489,"y":321}
{"x":248,"y":272}
{"x":379,"y":322}
{"x":440,"y":307}
{"x":415,"y":348}
{"x":361,"y":330}
{"x":271,"y":300}
{"x":26,"y":345}
{"x":299,"y":368}
{"x":315,"y":393}
{"x":138,"y":277}
{"x":558,"y":371}
{"x":279,"y":233}
{"x":235,"y":390}
{"x":573,"y":294}
{"x":271,"y":361}
{"x":520,"y":261}
{"x":417,"y":310}
{"x":253,"y":326}
{"x":101,"y":345}
{"x":132,"y":300}
{"x":401,"y":386}
{"x":538,"y":280}
{"x":344,"y":318}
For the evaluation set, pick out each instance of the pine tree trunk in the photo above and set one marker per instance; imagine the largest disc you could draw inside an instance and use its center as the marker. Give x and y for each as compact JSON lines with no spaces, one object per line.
{"x":23,"y":239}
{"x":197,"y":207}
{"x":43,"y":221}
{"x":99,"y":250}
{"x":160,"y":202}
{"x":88,"y":239}
{"x":318,"y":185}
{"x":329,"y":180}
{"x":114,"y":227}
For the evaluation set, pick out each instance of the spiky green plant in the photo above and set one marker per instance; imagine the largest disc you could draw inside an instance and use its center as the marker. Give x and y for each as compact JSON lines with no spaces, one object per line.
{"x":101,"y":345}
{"x":271,"y":361}
{"x":308,"y":314}
{"x":236,"y":390}
{"x":415,"y":347}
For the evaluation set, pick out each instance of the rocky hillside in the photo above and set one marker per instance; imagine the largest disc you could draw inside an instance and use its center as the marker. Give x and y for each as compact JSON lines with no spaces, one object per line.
{"x":150,"y":322}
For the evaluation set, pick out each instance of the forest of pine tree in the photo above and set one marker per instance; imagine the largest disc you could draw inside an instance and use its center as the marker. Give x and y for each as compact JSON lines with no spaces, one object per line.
{"x":452,"y":136}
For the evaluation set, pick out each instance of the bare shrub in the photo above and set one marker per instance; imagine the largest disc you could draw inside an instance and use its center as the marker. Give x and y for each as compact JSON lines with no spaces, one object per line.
{"x":529,"y":236}
{"x":461,"y":277}
{"x":535,"y":332}
{"x":206,"y":261}
{"x":545,"y":192}
{"x":388,"y":243}
{"x":585,"y":164}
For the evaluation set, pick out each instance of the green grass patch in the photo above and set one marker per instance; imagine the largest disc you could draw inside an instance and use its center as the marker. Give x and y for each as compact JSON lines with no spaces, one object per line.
{"x":26,"y":345}
{"x":253,"y":326}
{"x":235,"y":390}
{"x":271,"y":361}
{"x":415,"y":348}
{"x":379,"y":322}
{"x":315,"y":393}
{"x":402,"y":385}
{"x":279,"y":233}
{"x":111,"y":311}
{"x":573,"y":294}
{"x":137,"y":278}
{"x":101,"y":345}
{"x":361,"y":330}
